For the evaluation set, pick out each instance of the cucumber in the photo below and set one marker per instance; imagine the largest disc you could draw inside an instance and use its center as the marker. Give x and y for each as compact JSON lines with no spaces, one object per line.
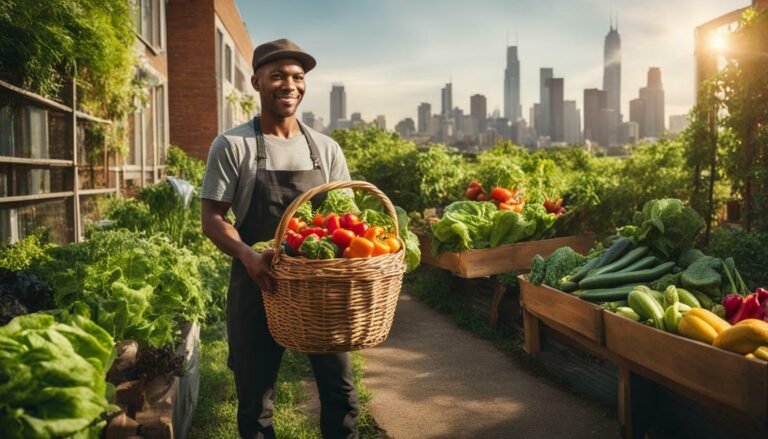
{"x":607,"y":294}
{"x":628,"y":312}
{"x":642,"y":264}
{"x":614,"y":252}
{"x":703,"y":299}
{"x":688,"y":298}
{"x":590,"y":265}
{"x":620,"y":263}
{"x":568,"y":286}
{"x":616,"y":279}
{"x":646,"y":307}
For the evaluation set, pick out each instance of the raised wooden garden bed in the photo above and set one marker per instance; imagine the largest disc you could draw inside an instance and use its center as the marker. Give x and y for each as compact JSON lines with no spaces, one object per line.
{"x":501,"y":259}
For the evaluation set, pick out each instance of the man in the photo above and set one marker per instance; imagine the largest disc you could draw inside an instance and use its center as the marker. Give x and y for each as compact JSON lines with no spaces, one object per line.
{"x":257,"y":169}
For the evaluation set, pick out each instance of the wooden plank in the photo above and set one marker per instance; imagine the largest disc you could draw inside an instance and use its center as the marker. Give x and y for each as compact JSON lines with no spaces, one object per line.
{"x":569,"y":311}
{"x":532,"y":333}
{"x":498,"y":293}
{"x":501,"y":259}
{"x":716,"y":375}
{"x":625,"y":402}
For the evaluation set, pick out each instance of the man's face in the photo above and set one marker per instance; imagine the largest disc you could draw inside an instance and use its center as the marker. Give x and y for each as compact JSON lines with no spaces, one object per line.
{"x":281,"y":86}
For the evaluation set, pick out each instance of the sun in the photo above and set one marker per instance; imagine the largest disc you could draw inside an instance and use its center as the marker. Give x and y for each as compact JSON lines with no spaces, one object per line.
{"x":718,"y":42}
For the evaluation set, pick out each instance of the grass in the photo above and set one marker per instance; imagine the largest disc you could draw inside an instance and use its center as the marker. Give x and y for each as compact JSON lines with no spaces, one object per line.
{"x":216,"y":412}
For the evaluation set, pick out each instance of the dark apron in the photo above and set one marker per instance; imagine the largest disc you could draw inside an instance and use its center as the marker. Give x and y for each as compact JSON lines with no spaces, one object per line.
{"x":254,"y":356}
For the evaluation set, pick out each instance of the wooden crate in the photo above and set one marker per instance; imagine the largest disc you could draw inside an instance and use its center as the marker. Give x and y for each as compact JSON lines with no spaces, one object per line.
{"x":501,"y":259}
{"x":566,"y":310}
{"x":701,"y":371}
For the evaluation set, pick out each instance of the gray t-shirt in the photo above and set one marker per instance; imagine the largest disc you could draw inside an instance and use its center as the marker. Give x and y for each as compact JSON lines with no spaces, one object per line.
{"x":231,"y":170}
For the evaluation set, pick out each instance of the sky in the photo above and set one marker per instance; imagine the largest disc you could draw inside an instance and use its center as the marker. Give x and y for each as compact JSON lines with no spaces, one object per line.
{"x":391,"y":55}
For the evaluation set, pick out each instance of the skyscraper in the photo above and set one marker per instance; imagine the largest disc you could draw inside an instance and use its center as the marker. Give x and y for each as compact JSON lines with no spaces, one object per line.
{"x":648,"y":109}
{"x":338,"y":105}
{"x":612,"y":69}
{"x":594,"y":104}
{"x":478,"y":109}
{"x":512,"y":109}
{"x":425,"y":117}
{"x":556,"y":123}
{"x":543,"y":123}
{"x":654,"y":106}
{"x":571,"y":123}
{"x":447,"y":100}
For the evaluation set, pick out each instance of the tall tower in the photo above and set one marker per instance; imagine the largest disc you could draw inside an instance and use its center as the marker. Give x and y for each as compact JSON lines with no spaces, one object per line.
{"x":338,"y":105}
{"x":612,"y":70}
{"x":424,"y":117}
{"x":512,"y":109}
{"x":556,"y":113}
{"x":447,"y":100}
{"x":654,"y":105}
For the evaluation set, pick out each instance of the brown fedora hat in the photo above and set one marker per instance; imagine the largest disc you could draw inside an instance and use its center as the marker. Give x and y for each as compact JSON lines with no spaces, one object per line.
{"x":279,"y":49}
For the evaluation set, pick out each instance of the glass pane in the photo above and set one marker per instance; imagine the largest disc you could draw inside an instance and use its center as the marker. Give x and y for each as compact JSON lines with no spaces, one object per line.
{"x":5,"y":180}
{"x":57,"y":136}
{"x":91,"y":210}
{"x":6,"y":130}
{"x":33,"y":181}
{"x":134,"y":139}
{"x":228,"y":63}
{"x":146,"y":20}
{"x":161,"y":130}
{"x":149,"y":131}
{"x":53,"y":217}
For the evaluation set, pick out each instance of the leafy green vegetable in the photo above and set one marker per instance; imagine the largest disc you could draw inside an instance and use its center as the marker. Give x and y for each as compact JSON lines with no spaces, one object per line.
{"x":410,"y":240}
{"x":688,"y":257}
{"x":538,"y":270}
{"x":668,"y":279}
{"x":704,"y":275}
{"x":338,"y":201}
{"x":263,"y":245}
{"x":536,"y":213}
{"x":509,"y":227}
{"x":560,"y":263}
{"x":464,"y":225}
{"x":376,"y":218}
{"x":666,"y":226}
{"x":53,"y":376}
{"x":314,"y":248}
{"x":304,"y":212}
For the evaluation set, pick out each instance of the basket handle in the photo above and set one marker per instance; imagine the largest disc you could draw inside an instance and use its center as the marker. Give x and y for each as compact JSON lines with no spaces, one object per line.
{"x":355,"y":184}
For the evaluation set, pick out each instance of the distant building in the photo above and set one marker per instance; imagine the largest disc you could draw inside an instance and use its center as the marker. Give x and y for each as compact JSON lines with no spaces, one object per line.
{"x":629,"y":133}
{"x":338,"y":105}
{"x":648,"y":109}
{"x":458,"y":118}
{"x":557,"y":125}
{"x":595,"y":101}
{"x":612,"y":71}
{"x":637,"y":115}
{"x":478,"y":110}
{"x":677,"y":123}
{"x":534,"y":114}
{"x":380,"y":122}
{"x":545,"y":73}
{"x":309,"y":119}
{"x":512,"y":109}
{"x":424,"y":118}
{"x":406,"y":128}
{"x":571,"y":123}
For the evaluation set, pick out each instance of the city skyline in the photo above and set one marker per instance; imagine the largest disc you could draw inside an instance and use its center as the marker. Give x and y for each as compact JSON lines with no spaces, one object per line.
{"x":391,"y":56}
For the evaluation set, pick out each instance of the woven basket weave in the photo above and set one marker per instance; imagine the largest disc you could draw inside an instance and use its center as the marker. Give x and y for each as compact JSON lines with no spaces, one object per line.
{"x":333,"y":305}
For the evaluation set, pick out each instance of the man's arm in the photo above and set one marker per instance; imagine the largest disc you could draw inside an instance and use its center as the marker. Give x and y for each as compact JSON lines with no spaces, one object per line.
{"x":224,"y":235}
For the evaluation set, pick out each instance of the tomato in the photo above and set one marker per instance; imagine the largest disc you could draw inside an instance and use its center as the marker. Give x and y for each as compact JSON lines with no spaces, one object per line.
{"x":348,"y":220}
{"x":482,"y":196}
{"x":359,"y":228}
{"x":319,"y":231}
{"x":473,"y":192}
{"x":500,"y":194}
{"x":342,"y":237}
{"x":333,"y":222}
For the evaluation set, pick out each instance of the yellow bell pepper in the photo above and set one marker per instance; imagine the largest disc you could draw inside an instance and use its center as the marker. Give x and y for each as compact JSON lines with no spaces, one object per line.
{"x":743,"y":338}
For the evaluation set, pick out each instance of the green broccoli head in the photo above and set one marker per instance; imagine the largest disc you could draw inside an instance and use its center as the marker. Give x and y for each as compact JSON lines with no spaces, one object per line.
{"x":560,"y":263}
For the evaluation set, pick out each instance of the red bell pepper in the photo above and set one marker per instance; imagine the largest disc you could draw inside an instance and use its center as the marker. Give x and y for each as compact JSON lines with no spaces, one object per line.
{"x":762,"y":295}
{"x":750,"y":309}
{"x":732,"y":303}
{"x":319,"y":231}
{"x":294,"y":240}
{"x":317,"y":221}
{"x":332,"y":222}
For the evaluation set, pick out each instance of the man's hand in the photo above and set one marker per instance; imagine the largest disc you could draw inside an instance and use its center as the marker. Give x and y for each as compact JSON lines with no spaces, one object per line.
{"x":259,"y":267}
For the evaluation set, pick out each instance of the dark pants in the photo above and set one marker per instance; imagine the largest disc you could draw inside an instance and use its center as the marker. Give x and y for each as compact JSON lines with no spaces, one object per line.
{"x":255,"y":358}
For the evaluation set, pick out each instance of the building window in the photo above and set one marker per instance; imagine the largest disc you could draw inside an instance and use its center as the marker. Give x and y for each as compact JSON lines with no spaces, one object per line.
{"x":239,"y":80}
{"x":149,"y":22}
{"x":228,"y":63}
{"x":148,"y":138}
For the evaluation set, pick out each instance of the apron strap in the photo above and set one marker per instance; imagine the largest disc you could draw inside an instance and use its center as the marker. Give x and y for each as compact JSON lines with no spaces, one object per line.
{"x":314,"y":152}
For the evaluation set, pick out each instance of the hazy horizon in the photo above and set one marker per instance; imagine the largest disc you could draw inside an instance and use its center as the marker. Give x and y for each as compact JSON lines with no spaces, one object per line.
{"x":393,"y":55}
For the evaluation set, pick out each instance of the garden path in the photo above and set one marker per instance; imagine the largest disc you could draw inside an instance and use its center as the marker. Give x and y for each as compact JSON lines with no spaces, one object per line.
{"x":432,"y":379}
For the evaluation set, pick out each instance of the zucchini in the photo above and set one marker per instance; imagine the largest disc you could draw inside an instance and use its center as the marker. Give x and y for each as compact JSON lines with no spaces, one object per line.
{"x":620,"y":263}
{"x":607,"y":294}
{"x":642,"y":264}
{"x":568,"y":286}
{"x":590,"y":265}
{"x":616,"y":279}
{"x":614,"y":252}
{"x":646,"y":307}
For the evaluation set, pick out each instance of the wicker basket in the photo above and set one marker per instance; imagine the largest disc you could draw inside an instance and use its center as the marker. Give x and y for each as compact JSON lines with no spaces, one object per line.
{"x":333,"y":305}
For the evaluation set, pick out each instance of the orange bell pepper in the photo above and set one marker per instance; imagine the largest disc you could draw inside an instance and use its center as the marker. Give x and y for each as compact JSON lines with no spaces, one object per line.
{"x":359,"y":248}
{"x":373,"y":232}
{"x":394,"y":243}
{"x":380,"y":247}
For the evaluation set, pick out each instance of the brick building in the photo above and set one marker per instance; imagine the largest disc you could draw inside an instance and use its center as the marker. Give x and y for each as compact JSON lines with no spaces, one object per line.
{"x":209,"y":69}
